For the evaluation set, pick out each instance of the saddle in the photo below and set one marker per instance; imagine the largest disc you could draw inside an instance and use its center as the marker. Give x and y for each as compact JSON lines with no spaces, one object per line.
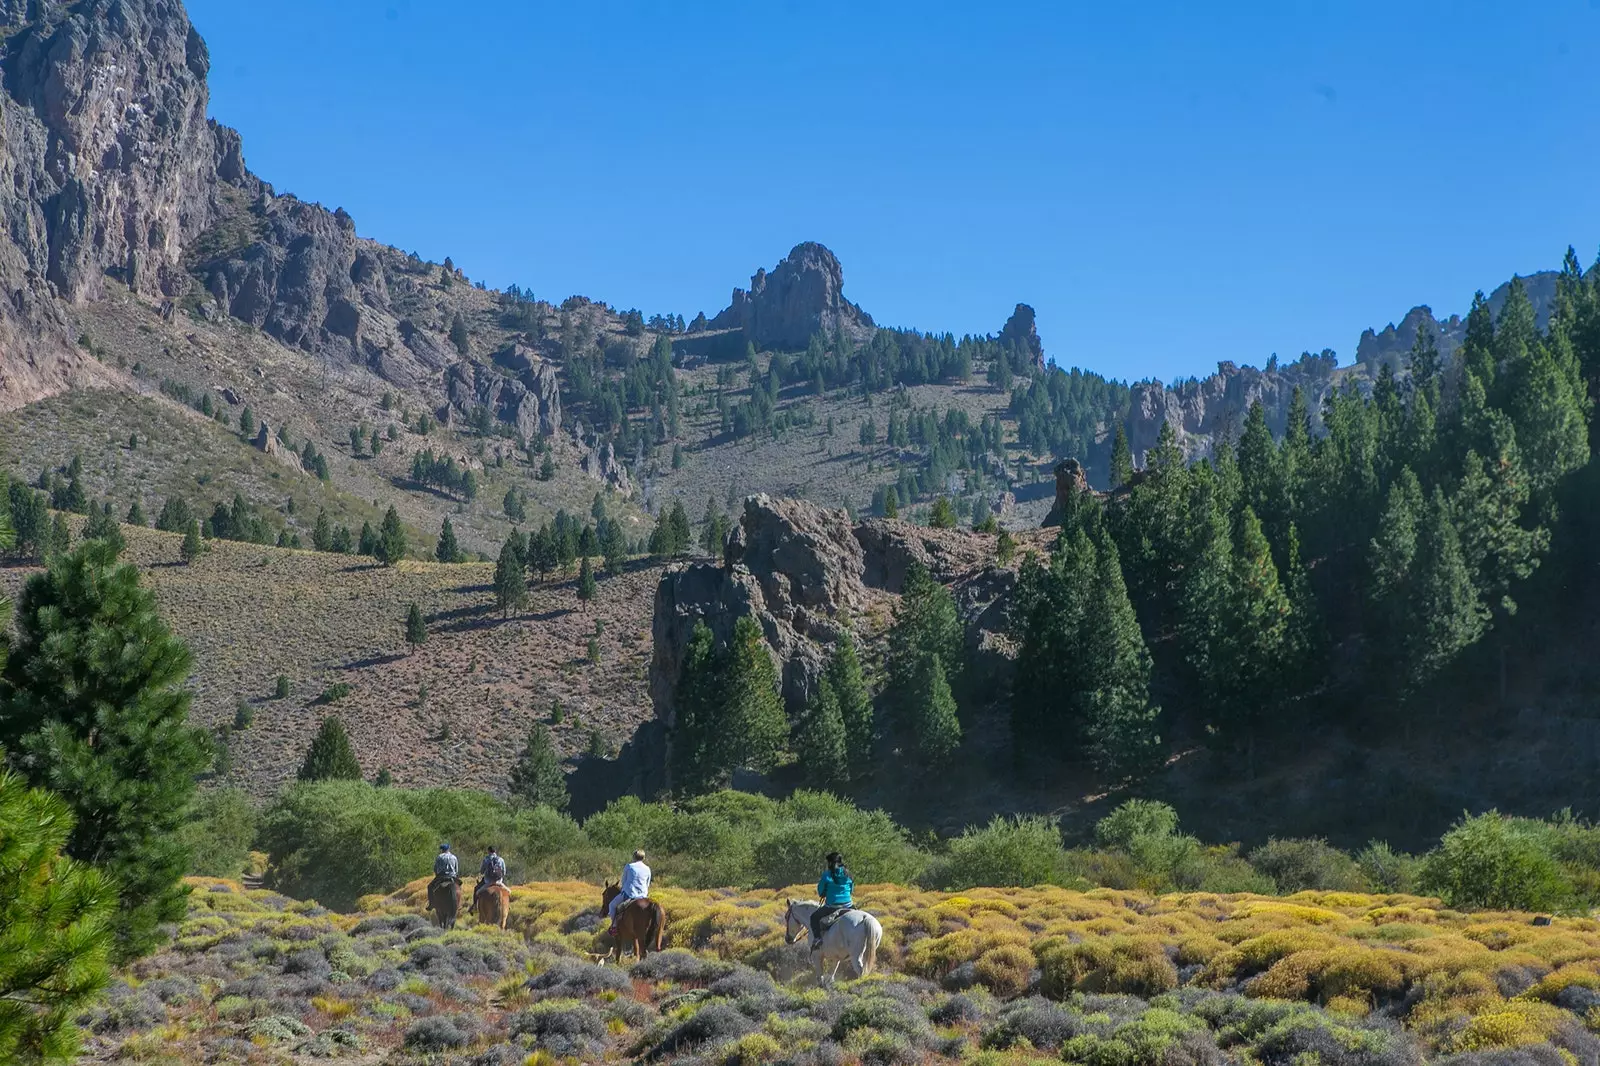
{"x":825,"y":920}
{"x":632,"y":903}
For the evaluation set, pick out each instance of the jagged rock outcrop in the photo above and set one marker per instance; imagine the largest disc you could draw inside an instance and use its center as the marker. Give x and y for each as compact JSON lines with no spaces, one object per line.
{"x":107,"y":166}
{"x":531,"y":404}
{"x":1392,"y":344}
{"x":804,"y":573}
{"x":804,"y":295}
{"x":1022,"y":332}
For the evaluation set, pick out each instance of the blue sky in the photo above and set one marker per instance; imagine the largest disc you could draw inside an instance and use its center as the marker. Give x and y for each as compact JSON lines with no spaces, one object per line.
{"x":1166,"y":184}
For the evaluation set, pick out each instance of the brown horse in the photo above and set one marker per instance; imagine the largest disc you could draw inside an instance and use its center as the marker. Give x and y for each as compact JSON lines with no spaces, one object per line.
{"x":444,"y":900}
{"x":493,"y":905}
{"x":640,"y":922}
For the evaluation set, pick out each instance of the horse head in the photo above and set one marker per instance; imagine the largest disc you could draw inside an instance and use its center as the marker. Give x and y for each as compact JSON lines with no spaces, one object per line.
{"x":607,"y":894}
{"x":790,"y":934}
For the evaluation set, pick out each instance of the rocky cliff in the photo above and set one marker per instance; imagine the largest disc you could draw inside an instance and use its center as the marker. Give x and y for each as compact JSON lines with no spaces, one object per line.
{"x":109,"y":169}
{"x":1392,"y":344}
{"x":803,"y":295}
{"x":805,"y":573}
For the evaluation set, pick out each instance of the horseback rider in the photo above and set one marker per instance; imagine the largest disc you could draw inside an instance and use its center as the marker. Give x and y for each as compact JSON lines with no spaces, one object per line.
{"x":836,"y":890}
{"x":446,"y":867}
{"x":492,"y":871}
{"x":635,"y":884}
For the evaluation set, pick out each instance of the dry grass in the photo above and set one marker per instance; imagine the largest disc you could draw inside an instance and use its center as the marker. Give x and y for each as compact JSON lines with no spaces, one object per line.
{"x":253,"y":977}
{"x":252,"y":613}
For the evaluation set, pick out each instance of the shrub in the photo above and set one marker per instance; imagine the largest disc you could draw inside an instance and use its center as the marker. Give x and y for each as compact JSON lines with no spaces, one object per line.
{"x":711,"y":1024}
{"x":442,"y":1032}
{"x":1039,"y":1022}
{"x":1005,"y":970}
{"x":218,"y":833}
{"x":282,"y":689}
{"x":336,"y":841}
{"x":1007,"y":852}
{"x":1132,"y":964}
{"x":1490,"y":861}
{"x":790,"y":852}
{"x":885,"y":1014}
{"x":1133,"y":819}
{"x":1296,"y":865}
{"x":564,"y":1028}
{"x":1387,"y":870}
{"x":568,"y":978}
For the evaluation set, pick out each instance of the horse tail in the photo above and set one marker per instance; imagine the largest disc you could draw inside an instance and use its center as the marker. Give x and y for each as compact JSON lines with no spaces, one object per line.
{"x":874,"y":934}
{"x":658,"y":925}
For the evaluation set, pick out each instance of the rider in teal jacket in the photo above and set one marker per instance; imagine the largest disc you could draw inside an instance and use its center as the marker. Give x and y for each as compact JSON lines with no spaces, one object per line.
{"x":835,"y":887}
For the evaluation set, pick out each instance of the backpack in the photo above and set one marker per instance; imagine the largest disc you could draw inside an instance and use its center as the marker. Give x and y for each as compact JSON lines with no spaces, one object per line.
{"x":497,"y":868}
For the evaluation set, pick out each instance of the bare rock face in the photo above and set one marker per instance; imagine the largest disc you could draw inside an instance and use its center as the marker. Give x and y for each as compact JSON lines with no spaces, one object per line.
{"x":805,"y":573}
{"x":804,"y":295}
{"x":1201,"y":411}
{"x":1071,"y":483}
{"x":532,"y":404}
{"x":1023,"y":334}
{"x":107,"y":167}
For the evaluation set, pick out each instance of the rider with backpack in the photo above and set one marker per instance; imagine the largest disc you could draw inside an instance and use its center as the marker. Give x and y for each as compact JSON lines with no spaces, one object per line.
{"x":492,"y":871}
{"x":836,"y":890}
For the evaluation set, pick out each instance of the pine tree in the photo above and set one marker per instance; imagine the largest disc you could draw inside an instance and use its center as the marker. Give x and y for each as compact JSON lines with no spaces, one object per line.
{"x":322,"y":533}
{"x":447,"y":550}
{"x":136,"y":515}
{"x":1118,"y":721}
{"x":547,"y":468}
{"x":942,"y":515}
{"x":1050,"y":605}
{"x":588,"y":543}
{"x":586,"y":584}
{"x":681,"y":533}
{"x":96,"y":709}
{"x":1121,"y":458}
{"x":613,"y":546}
{"x":819,"y":741}
{"x":925,"y":624}
{"x":935,"y":728}
{"x":56,"y":920}
{"x":191,"y":548}
{"x":102,"y":527}
{"x":1448,"y":615}
{"x":891,"y":505}
{"x":416,"y":629}
{"x":1548,"y":407}
{"x":849,"y":687}
{"x":750,"y":722}
{"x":542,"y":554}
{"x":458,"y":335}
{"x":694,"y":715}
{"x":368,"y":544}
{"x":537,"y":779}
{"x":60,"y":536}
{"x":330,"y":756}
{"x":391,"y":543}
{"x":510,"y":589}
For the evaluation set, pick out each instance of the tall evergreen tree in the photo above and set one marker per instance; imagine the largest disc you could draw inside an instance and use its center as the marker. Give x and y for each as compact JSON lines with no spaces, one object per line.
{"x":391,"y":546}
{"x":330,"y":756}
{"x":136,"y":515}
{"x":322,"y":533}
{"x":537,"y":779}
{"x":819,"y":740}
{"x":1448,"y":616}
{"x":416,"y":629}
{"x":587,"y":589}
{"x":447,"y":550}
{"x":191,"y":548}
{"x":1118,"y":721}
{"x":925,"y":623}
{"x":849,"y":688}
{"x":935,"y":726}
{"x":1121,"y":458}
{"x":751,"y":726}
{"x":95,"y":708}
{"x":694,"y":715}
{"x":510,"y":589}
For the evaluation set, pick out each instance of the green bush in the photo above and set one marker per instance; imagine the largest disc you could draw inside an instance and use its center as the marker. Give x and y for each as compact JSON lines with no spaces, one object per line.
{"x":218,"y":833}
{"x":814,"y":823}
{"x":335,"y":841}
{"x":1296,"y":865}
{"x":1007,"y":852}
{"x":1133,"y":819}
{"x":1495,"y":862}
{"x":1387,"y":870}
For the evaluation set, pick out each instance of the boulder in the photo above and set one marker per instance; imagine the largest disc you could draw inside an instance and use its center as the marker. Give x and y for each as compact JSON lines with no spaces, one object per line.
{"x":1022,"y":333}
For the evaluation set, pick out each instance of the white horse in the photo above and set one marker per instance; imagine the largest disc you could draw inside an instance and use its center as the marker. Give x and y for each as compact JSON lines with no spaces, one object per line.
{"x":853,"y":938}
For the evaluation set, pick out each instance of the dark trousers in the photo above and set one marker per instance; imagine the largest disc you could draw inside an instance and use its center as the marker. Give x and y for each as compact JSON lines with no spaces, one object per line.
{"x":821,"y":916}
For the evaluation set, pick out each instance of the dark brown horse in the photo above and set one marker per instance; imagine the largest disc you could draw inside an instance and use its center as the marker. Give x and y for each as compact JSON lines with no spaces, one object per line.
{"x":444,"y":900}
{"x":640,"y":922}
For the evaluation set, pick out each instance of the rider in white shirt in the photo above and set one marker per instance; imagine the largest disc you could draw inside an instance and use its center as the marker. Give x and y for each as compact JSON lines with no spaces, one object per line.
{"x":635,"y":885}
